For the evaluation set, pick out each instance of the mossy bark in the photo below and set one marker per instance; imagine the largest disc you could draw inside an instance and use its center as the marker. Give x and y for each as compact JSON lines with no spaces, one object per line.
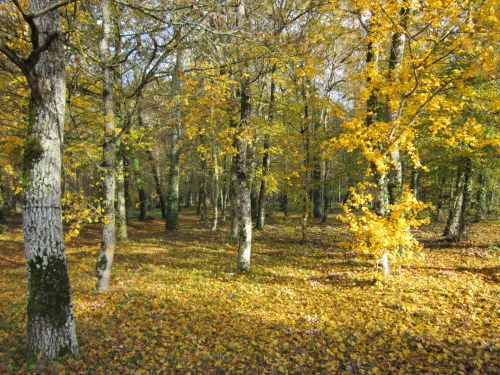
{"x":51,"y":326}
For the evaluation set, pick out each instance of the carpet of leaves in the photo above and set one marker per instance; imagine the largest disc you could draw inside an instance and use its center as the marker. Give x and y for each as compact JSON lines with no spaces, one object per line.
{"x":176,"y":305}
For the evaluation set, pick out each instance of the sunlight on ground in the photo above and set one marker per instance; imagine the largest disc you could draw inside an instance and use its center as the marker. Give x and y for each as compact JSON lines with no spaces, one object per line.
{"x":177,"y":305}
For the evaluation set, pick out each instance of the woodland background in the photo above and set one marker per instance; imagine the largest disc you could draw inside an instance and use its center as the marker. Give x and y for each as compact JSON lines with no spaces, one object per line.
{"x":275,"y":186}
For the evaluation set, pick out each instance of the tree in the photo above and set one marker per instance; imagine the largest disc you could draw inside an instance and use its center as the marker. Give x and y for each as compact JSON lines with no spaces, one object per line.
{"x":172,"y":220}
{"x":51,"y":326}
{"x":108,"y":243}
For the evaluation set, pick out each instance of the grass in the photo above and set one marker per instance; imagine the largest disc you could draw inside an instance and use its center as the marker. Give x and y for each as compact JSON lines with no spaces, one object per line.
{"x":176,"y":304}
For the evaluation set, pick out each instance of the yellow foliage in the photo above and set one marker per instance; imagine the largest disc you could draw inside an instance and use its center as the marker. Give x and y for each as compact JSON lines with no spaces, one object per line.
{"x":377,"y":234}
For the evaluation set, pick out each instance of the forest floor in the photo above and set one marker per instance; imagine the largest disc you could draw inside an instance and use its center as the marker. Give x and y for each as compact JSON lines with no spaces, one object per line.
{"x":176,"y":304}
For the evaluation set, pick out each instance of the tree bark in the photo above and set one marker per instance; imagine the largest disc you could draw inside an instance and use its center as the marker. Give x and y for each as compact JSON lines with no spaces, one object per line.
{"x":172,"y":222}
{"x":395,"y":175}
{"x":2,"y":206}
{"x":108,"y":244}
{"x":414,"y":181}
{"x":326,"y":200}
{"x":455,"y":228}
{"x":441,"y":198}
{"x":216,"y":188}
{"x":51,"y":326}
{"x":143,"y":196}
{"x":284,"y":202}
{"x":481,"y":198}
{"x":121,"y":209}
{"x":155,"y":169}
{"x":306,"y":146}
{"x":317,"y":194}
{"x":204,"y":198}
{"x":266,"y":162}
{"x":243,"y":183}
{"x":233,"y":197}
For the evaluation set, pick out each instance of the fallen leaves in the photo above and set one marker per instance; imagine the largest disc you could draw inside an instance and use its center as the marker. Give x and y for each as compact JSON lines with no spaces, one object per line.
{"x":176,"y":305}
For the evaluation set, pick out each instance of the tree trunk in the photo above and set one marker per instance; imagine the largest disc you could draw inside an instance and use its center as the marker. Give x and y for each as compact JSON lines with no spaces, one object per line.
{"x":105,"y":258}
{"x":395,"y":175}
{"x":155,"y":169}
{"x":172,"y":222}
{"x":284,"y":202}
{"x":261,"y":204}
{"x":126,"y":183}
{"x":200,"y":198}
{"x":266,"y":161}
{"x":441,"y":198}
{"x":143,"y":197}
{"x":51,"y":326}
{"x":204,"y":194}
{"x":382,"y":203}
{"x":2,"y":206}
{"x":306,"y":145}
{"x":481,"y":198}
{"x":326,"y":200}
{"x":224,"y":199}
{"x":121,"y":208}
{"x":414,"y":181}
{"x":216,"y":188}
{"x":395,"y":178}
{"x":243,"y":184}
{"x":233,"y":196}
{"x":317,"y":196}
{"x":254,"y":201}
{"x":456,"y":223}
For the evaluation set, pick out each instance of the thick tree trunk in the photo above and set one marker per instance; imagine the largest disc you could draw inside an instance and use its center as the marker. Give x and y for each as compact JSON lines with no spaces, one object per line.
{"x":155,"y":169}
{"x":121,"y":209}
{"x":51,"y":327}
{"x":172,"y":222}
{"x":108,"y":244}
{"x":455,"y":228}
